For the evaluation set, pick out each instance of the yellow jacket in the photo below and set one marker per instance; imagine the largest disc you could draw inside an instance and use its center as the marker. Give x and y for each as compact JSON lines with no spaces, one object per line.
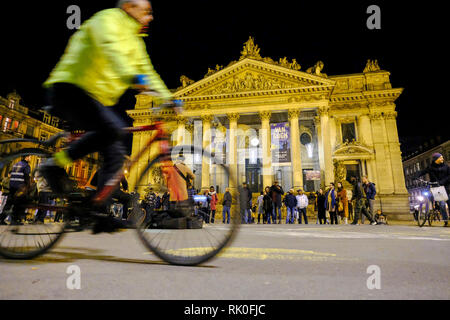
{"x":103,"y":57}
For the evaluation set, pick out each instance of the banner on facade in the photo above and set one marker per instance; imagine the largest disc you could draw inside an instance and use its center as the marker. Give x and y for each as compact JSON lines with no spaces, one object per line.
{"x":281,"y":142}
{"x":312,"y":175}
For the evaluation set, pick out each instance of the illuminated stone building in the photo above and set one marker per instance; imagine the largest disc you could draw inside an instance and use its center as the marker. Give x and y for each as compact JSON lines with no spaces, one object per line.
{"x":321,"y":128}
{"x":18,"y":121}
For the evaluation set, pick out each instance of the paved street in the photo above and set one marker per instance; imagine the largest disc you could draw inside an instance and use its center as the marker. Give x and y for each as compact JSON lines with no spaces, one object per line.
{"x":265,"y":262}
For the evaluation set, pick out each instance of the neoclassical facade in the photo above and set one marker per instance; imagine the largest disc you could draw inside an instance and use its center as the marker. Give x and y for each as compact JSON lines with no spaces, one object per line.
{"x":272,"y":121}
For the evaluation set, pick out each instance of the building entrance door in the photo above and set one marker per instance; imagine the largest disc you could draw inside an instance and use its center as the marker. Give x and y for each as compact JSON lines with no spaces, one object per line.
{"x":253,"y":176}
{"x":353,"y":170}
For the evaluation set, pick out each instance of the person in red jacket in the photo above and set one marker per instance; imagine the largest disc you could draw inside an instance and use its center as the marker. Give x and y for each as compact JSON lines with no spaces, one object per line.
{"x":214,"y":199}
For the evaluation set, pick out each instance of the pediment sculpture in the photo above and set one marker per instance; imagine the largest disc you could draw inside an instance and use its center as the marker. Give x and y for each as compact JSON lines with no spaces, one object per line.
{"x":249,"y":82}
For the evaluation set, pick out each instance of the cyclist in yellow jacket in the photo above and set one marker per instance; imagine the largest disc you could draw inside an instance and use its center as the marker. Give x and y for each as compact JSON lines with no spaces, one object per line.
{"x":103,"y":59}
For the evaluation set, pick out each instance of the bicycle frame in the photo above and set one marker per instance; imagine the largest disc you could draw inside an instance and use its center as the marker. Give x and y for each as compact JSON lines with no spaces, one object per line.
{"x":160,"y":135}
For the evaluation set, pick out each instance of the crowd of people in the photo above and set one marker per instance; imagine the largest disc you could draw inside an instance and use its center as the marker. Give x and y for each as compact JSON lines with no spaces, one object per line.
{"x":332,"y":204}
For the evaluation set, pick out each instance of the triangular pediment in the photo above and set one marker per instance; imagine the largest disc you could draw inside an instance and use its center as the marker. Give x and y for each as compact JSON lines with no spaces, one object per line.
{"x":249,"y":75}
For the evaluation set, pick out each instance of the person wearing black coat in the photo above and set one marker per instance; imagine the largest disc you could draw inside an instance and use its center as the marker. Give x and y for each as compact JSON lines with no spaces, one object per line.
{"x":276,"y":191}
{"x":439,"y":172}
{"x":245,"y":198}
{"x":321,"y":214}
{"x":268,"y":205}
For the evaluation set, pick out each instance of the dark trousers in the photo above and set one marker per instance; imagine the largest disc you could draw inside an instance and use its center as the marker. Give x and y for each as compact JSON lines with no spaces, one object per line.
{"x":302,"y":211}
{"x":333,"y":217}
{"x":44,"y":198}
{"x":103,"y":128}
{"x":321,"y":215}
{"x":360,"y":207}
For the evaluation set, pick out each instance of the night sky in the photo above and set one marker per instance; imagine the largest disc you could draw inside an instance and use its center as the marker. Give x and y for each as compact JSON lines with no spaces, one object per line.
{"x":187,"y":37}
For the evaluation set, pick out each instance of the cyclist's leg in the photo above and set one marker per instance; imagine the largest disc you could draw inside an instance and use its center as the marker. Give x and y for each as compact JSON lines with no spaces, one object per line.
{"x":102,"y":125}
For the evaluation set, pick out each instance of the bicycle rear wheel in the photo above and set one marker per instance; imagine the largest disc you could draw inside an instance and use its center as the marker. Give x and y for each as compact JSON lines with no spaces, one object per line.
{"x":433,"y":216}
{"x":193,"y":241}
{"x":30,"y":229}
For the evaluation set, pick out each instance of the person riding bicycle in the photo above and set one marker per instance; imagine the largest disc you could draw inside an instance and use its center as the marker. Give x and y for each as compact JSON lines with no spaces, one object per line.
{"x":439,"y":172}
{"x":103,"y":59}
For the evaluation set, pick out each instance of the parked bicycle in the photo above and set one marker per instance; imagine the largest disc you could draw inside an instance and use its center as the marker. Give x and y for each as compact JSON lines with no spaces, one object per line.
{"x":428,"y":208}
{"x":190,"y":242}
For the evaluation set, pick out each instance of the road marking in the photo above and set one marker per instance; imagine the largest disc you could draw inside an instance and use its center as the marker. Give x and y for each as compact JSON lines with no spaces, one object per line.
{"x":264,"y":254}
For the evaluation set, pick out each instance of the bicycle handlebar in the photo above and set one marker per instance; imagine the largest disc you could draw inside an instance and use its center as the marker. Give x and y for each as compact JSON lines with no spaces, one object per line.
{"x":427,"y":182}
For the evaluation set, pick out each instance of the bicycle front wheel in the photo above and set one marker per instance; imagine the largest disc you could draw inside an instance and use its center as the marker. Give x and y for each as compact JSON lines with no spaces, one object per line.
{"x":183,"y":232}
{"x":422,"y":215}
{"x":29,"y":224}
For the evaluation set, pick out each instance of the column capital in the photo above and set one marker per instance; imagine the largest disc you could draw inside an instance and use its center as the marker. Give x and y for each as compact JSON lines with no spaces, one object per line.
{"x":294,"y":114}
{"x":181,"y":120}
{"x":190,"y":128}
{"x":265,"y":115}
{"x":322,"y":111}
{"x":317,"y":121}
{"x":391,"y":115}
{"x":233,"y":116}
{"x":207,"y":117}
{"x":376,"y":116}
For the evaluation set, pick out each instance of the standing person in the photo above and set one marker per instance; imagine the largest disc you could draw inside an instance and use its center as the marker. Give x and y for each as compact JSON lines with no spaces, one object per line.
{"x":213,"y":203}
{"x":321,"y":209}
{"x":260,"y":203}
{"x":44,"y":195}
{"x":359,"y":202}
{"x":149,"y":202}
{"x":371,"y":191}
{"x":18,"y":183}
{"x":268,"y":205}
{"x":104,"y":58}
{"x":165,"y":201}
{"x":330,"y":203}
{"x":291,"y":202}
{"x":439,"y":172}
{"x":245,"y":198}
{"x":276,"y":191}
{"x":226,"y":203}
{"x":302,"y":205}
{"x":342,"y":202}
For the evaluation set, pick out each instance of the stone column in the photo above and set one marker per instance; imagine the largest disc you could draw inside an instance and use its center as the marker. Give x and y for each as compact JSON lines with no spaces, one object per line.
{"x":325,"y":152}
{"x":296,"y":155}
{"x":232,"y":150}
{"x":382,"y":160}
{"x":265,"y":138}
{"x":206,"y":146}
{"x":395,"y":153}
{"x":189,"y":131}
{"x":181,"y":130}
{"x":365,"y":136}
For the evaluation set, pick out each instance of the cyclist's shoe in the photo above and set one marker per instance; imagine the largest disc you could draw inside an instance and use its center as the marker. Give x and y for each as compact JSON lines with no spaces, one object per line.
{"x":374,"y":223}
{"x":109,"y":224}
{"x":56,"y":177}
